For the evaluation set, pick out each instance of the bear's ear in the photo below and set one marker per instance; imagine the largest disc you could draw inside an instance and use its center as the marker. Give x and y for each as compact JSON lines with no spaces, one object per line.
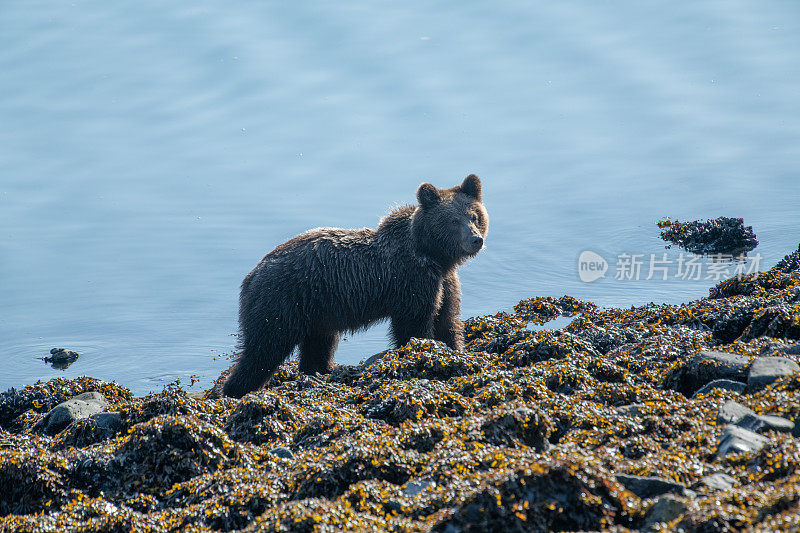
{"x":428,"y":195}
{"x":471,"y":186}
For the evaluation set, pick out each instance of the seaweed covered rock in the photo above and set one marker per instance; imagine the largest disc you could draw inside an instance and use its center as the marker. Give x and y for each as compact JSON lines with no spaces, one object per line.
{"x":87,"y":431}
{"x":536,"y":498}
{"x":723,"y":235}
{"x":167,"y":450}
{"x":42,"y":397}
{"x":32,"y":480}
{"x":526,"y":429}
{"x":413,"y":400}
{"x":790,"y":263}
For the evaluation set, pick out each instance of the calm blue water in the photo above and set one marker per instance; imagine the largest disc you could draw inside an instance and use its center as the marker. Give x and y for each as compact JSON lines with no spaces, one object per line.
{"x":151,"y":153}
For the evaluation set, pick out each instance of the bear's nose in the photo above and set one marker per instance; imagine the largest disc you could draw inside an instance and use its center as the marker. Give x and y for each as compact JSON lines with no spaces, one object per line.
{"x":477,"y":243}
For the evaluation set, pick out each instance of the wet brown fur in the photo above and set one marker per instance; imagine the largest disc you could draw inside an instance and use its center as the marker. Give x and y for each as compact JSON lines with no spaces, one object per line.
{"x":326,"y":281}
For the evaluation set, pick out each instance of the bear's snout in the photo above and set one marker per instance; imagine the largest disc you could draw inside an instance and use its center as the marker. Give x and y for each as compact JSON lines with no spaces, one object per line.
{"x":475,"y":244}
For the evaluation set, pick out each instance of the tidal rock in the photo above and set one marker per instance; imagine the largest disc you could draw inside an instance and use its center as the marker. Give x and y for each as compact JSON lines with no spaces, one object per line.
{"x":731,"y":325}
{"x":650,"y":486}
{"x":726,"y":384}
{"x":78,"y":407}
{"x":633,"y":409}
{"x":760,"y":423}
{"x":414,"y":487}
{"x":731,"y":412}
{"x":718,"y":481}
{"x":790,"y":263}
{"x":373,"y":358}
{"x":723,"y":235}
{"x":709,"y":365}
{"x":666,"y":509}
{"x":61,"y":358}
{"x":282,"y":451}
{"x":111,"y":421}
{"x":739,"y":440}
{"x":766,"y":370}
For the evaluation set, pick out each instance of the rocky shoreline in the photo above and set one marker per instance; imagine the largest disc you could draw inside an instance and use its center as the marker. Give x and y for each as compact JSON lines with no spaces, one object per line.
{"x":660,"y":417}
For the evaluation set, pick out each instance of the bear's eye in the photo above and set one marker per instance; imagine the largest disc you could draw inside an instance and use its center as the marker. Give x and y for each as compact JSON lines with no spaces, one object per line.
{"x":454,"y":221}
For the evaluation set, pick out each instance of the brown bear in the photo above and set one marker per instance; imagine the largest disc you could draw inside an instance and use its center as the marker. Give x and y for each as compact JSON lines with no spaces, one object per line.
{"x":326,"y":281}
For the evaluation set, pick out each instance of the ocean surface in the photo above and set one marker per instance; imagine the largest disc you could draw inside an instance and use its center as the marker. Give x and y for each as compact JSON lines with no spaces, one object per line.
{"x":152,"y":152}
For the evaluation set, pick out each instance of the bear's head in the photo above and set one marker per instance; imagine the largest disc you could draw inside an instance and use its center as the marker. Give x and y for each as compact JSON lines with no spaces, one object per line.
{"x":450,"y":224}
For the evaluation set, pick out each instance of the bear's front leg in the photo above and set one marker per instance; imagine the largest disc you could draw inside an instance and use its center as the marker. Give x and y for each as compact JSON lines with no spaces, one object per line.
{"x":447,"y":325}
{"x":404,"y":326}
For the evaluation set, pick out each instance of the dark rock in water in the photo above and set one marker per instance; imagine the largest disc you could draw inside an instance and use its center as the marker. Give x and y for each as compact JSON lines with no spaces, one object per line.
{"x":732,"y":412}
{"x":766,"y":370}
{"x":650,"y":486}
{"x":666,"y":509}
{"x":718,"y":481}
{"x":723,"y":235}
{"x":739,"y":440}
{"x":725,"y":384}
{"x":790,"y":263}
{"x":78,"y":407}
{"x":61,"y":358}
{"x":708,"y":366}
{"x":282,"y":451}
{"x":760,"y":423}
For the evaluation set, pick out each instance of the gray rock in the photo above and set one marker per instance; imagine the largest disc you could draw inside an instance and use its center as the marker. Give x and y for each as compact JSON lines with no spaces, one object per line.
{"x":709,"y":365}
{"x":726,"y":384}
{"x":414,"y":487}
{"x":372,"y":359}
{"x":666,"y":509}
{"x":111,"y":421}
{"x":650,"y":486}
{"x":718,"y":481}
{"x":737,"y":414}
{"x":80,"y":406}
{"x":760,"y":423}
{"x":731,"y":412}
{"x":766,"y":370}
{"x":634,"y":409}
{"x":282,"y":451}
{"x":739,"y":440}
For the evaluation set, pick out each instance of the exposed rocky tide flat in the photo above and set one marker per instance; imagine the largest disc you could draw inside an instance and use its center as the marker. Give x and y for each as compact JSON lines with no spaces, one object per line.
{"x":671,"y":417}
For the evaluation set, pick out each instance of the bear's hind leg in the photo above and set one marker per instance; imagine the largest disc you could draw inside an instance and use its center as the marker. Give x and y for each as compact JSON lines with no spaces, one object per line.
{"x":254,"y":368}
{"x":316,"y":352}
